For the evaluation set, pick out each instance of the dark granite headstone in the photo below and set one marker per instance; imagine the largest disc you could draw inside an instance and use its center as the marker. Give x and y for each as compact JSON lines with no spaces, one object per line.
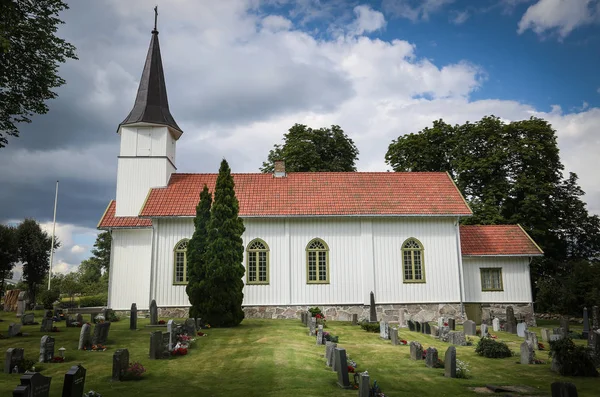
{"x":452,"y":324}
{"x":372,"y":309}
{"x":46,"y":349}
{"x":189,"y":327}
{"x":417,"y":326}
{"x":355,"y":319}
{"x":563,"y":389}
{"x":153,"y":313}
{"x":28,"y":319}
{"x":14,"y":329}
{"x":133,"y":317}
{"x":416,"y":351}
{"x":450,"y":362}
{"x":469,"y":327}
{"x":38,"y":384}
{"x":426,"y":328}
{"x":101,"y":333}
{"x":411,"y":325}
{"x":120,"y":364}
{"x":156,"y":348}
{"x":74,"y":383}
{"x":431,"y":357}
{"x":595,"y":318}
{"x":564,"y":324}
{"x":511,"y":321}
{"x":341,"y":366}
{"x":11,"y":358}
{"x":47,"y":324}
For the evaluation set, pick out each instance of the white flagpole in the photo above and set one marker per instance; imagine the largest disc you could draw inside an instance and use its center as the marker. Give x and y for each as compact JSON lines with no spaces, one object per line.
{"x":53,"y":230}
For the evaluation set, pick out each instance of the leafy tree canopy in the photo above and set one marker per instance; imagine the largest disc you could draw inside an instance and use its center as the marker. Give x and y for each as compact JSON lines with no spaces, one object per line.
{"x":9,"y":253}
{"x":30,"y":54}
{"x":101,"y":250}
{"x":307,"y":150}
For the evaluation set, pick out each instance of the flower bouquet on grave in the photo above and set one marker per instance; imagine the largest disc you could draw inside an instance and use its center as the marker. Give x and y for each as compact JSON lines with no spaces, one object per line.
{"x":330,"y":338}
{"x":55,"y":329}
{"x":179,"y":350}
{"x":403,"y":342}
{"x":134,"y":371}
{"x":538,"y":361}
{"x":201,"y":334}
{"x":57,"y":359}
{"x":92,"y":393}
{"x":493,"y":336}
{"x":445,"y":324}
{"x":541,"y":346}
{"x":98,"y":348}
{"x":161,"y":322}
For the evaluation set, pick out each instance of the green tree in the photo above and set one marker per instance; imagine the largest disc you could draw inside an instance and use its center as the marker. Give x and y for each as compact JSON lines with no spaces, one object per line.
{"x":9,"y":253}
{"x":220,"y":288}
{"x":196,"y":251}
{"x":71,"y":285}
{"x":34,"y":253}
{"x":30,"y":55}
{"x":307,"y":150}
{"x":90,"y":271}
{"x":101,"y":250}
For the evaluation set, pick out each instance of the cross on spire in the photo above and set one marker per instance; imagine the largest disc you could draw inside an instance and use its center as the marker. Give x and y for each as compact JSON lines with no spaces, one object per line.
{"x":155,"y":19}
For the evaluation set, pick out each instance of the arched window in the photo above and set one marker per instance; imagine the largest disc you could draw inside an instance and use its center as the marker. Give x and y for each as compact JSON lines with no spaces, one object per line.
{"x":317,"y":262}
{"x":180,"y":262}
{"x":412,"y":261}
{"x":257,"y":259}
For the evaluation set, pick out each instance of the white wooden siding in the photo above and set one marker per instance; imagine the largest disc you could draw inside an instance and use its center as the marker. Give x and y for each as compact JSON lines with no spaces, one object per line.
{"x":135,"y":176}
{"x":438,"y":236}
{"x":515,"y":279}
{"x":130,"y":269}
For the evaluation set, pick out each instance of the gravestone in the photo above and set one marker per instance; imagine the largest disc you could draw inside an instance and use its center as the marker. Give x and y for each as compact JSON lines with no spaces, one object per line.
{"x":355,"y":319}
{"x":417,"y":326}
{"x":312,"y":326}
{"x":526,"y":353}
{"x":79,"y":318}
{"x":13,"y":356}
{"x":586,"y":324}
{"x":37,"y":384}
{"x":452,"y":324}
{"x":320,"y":335}
{"x":411,"y":325}
{"x":14,"y":329}
{"x":563,"y":389}
{"x":74,"y":383}
{"x":440,"y":322}
{"x":156,"y":347}
{"x":341,"y":367}
{"x":22,"y":301}
{"x":330,"y":353}
{"x":166,"y":344}
{"x":595,"y":318}
{"x":153,"y":313}
{"x":47,"y":324}
{"x":484,"y":330}
{"x":434,"y":331}
{"x":545,"y":334}
{"x":426,"y":328}
{"x":450,"y":362}
{"x":364,"y":385}
{"x":457,"y":338}
{"x":511,"y":321}
{"x":560,"y":332}
{"x":46,"y":349}
{"x":384,"y":330}
{"x":564,"y":324}
{"x":554,"y":338}
{"x":28,"y":319}
{"x":133,"y":317}
{"x":521,"y":329}
{"x":189,"y":327}
{"x":394,"y":336}
{"x":372,"y":309}
{"x":58,"y":313}
{"x":69,"y":320}
{"x":594,"y":341}
{"x":120,"y":364}
{"x":531,"y":337}
{"x":431,"y":357}
{"x":416,"y":351}
{"x":85,"y":337}
{"x":401,"y":319}
{"x":100,"y":333}
{"x":171,"y":332}
{"x":470,"y":328}
{"x":496,"y":324}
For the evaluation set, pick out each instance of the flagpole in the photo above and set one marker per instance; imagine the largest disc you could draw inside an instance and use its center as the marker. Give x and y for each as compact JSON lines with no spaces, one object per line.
{"x":53,"y":230}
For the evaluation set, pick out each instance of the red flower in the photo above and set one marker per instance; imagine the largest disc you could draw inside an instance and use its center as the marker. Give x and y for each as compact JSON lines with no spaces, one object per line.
{"x":350,"y":368}
{"x":445,"y":324}
{"x":403,"y":342}
{"x":161,"y":322}
{"x":541,"y":346}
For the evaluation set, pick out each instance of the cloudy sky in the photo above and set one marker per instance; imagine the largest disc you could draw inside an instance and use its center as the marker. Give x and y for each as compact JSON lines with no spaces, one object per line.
{"x":240,"y":73}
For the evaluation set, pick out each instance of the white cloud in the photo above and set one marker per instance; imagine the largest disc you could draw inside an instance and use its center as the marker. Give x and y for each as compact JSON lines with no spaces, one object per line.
{"x":77,"y":249}
{"x":367,"y":20}
{"x":460,"y":17}
{"x":275,"y":23}
{"x":414,"y":10}
{"x":562,"y":16}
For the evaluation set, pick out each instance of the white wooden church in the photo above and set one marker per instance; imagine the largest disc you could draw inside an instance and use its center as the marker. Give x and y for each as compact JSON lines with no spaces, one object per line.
{"x":312,"y":239}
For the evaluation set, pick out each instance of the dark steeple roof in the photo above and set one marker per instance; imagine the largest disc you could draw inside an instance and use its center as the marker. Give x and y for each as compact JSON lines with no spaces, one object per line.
{"x":151,"y":104}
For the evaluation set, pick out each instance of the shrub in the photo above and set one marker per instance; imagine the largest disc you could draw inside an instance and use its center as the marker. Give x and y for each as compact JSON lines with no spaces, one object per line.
{"x":572,"y":360}
{"x":369,"y":327}
{"x":462,"y":369}
{"x":93,"y":300}
{"x":112,"y":317}
{"x":47,"y":298}
{"x":488,"y":347}
{"x":314,"y":311}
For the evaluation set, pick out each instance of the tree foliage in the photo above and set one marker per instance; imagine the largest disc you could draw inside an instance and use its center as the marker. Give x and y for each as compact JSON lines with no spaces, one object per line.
{"x":34,"y":253}
{"x":101,"y":250}
{"x":511,"y":173}
{"x":9,"y":253}
{"x":314,"y":150}
{"x":31,"y":54}
{"x":196,"y":251}
{"x":220,"y":286}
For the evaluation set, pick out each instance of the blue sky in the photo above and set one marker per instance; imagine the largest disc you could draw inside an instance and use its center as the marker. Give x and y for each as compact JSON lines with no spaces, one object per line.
{"x":240,"y":73}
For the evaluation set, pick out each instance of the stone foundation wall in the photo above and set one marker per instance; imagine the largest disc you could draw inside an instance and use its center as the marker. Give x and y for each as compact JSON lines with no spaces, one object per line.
{"x":523,"y":311}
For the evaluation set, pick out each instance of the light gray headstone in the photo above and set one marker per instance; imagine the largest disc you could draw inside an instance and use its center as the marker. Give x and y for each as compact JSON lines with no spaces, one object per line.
{"x":431,"y":357}
{"x":457,"y":338}
{"x":521,"y":328}
{"x":526,"y":353}
{"x":564,"y":324}
{"x":532,"y":338}
{"x":28,"y":319}
{"x":46,"y":349}
{"x":416,"y":351}
{"x":320,"y":335}
{"x":394,"y":336}
{"x":545,"y":334}
{"x":312,"y":330}
{"x":469,"y":327}
{"x":440,"y":322}
{"x":14,"y":329}
{"x":171,"y":331}
{"x":85,"y":337}
{"x":384,"y":330}
{"x":364,"y":385}
{"x":554,"y":338}
{"x":341,"y":367}
{"x":354,"y":319}
{"x":401,"y":319}
{"x":153,"y":313}
{"x":12,"y":356}
{"x":329,"y":350}
{"x":484,"y":330}
{"x":496,"y":324}
{"x":435,"y":331}
{"x":450,"y":362}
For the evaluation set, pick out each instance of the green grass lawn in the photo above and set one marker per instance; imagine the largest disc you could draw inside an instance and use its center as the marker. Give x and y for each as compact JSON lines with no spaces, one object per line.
{"x":277,"y":358}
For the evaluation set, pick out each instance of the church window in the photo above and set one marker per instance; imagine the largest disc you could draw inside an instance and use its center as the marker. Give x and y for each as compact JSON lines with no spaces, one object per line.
{"x":180,"y":262}
{"x":491,"y":279}
{"x":257,"y":258}
{"x":412,"y":260}
{"x":317,"y":262}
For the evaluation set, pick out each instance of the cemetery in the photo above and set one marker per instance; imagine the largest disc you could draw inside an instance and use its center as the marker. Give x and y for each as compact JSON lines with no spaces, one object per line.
{"x":286,"y":357}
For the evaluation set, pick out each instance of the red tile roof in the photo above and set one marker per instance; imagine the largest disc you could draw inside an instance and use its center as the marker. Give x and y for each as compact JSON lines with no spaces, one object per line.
{"x":497,"y":240}
{"x":317,"y":193}
{"x":110,"y":221}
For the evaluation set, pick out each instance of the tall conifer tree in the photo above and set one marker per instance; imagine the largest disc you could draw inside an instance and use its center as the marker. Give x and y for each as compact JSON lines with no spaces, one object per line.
{"x":221,"y":286}
{"x":196,"y":264}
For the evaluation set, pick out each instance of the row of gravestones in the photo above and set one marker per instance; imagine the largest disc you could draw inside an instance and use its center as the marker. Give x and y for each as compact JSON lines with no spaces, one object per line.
{"x":98,"y":337}
{"x":162,"y":343}
{"x":34,"y":384}
{"x":431,"y":358}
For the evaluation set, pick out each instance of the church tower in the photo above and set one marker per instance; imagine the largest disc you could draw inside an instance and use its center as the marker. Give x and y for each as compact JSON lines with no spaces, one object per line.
{"x":148,"y":137}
